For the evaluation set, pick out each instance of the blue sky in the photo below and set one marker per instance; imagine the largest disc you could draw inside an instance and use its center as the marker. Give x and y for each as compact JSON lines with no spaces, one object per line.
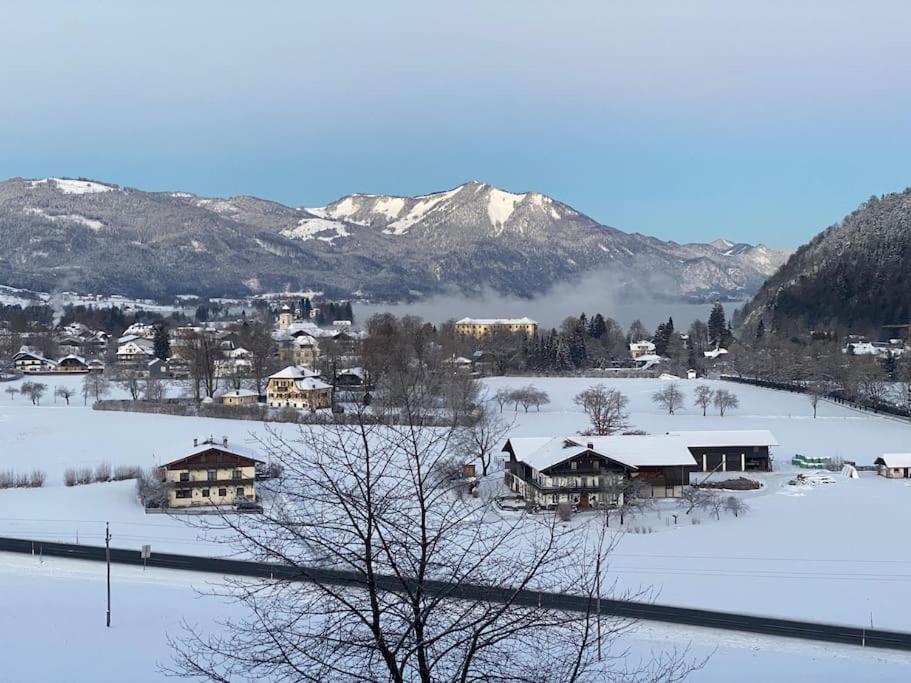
{"x":762,"y":121}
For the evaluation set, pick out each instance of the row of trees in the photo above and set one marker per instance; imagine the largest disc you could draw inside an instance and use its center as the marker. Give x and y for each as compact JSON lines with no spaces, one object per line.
{"x":671,"y":398}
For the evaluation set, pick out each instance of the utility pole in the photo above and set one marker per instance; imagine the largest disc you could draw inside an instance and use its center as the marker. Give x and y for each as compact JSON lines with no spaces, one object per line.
{"x":107,"y":553}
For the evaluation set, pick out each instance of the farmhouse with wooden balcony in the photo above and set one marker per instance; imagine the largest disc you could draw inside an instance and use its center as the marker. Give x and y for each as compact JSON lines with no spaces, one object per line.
{"x":582,"y":470}
{"x":212,"y":473}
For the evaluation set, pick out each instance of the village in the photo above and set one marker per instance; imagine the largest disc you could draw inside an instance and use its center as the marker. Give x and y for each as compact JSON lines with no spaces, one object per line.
{"x":288,"y":368}
{"x":168,"y":450}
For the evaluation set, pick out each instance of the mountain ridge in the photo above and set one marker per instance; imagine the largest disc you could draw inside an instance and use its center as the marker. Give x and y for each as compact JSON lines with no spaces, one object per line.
{"x":101,"y":237}
{"x":851,"y":277}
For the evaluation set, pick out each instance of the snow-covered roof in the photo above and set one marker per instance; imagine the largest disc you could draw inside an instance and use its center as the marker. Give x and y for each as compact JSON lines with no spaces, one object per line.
{"x":72,"y":356}
{"x":311,"y":384}
{"x":202,"y":445}
{"x":727,"y":437}
{"x":32,"y":354}
{"x":631,"y":451}
{"x":294,"y":372}
{"x":238,"y":393}
{"x":714,"y":353}
{"x":894,"y":460}
{"x":357,"y":372}
{"x":635,"y":346}
{"x":497,"y":321}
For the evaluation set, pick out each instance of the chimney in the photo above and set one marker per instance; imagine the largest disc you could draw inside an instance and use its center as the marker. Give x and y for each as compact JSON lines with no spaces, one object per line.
{"x":195,"y":443}
{"x":224,"y":441}
{"x":590,"y":445}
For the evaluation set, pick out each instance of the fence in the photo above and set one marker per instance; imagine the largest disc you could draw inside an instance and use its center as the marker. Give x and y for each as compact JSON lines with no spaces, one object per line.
{"x":837,"y":396}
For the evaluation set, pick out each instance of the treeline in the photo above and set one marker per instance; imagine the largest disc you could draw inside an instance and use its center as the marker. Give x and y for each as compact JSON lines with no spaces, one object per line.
{"x":327,"y":312}
{"x":580,"y":343}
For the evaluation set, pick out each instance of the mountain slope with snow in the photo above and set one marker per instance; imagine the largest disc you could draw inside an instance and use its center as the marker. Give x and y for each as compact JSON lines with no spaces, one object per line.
{"x":852,"y":277}
{"x":98,"y":237}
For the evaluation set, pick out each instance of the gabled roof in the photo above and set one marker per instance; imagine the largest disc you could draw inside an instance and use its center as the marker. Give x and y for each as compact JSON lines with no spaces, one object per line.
{"x":634,"y":452}
{"x":894,"y":460}
{"x":31,"y":354}
{"x":311,"y":384}
{"x":727,"y":437}
{"x":294,"y":372}
{"x":207,"y":444}
{"x":238,"y":393}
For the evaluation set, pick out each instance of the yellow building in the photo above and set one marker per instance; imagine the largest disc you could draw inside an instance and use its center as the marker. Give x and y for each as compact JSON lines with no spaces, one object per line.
{"x":481,"y":327}
{"x":298,"y":388}
{"x":240,"y":397}
{"x":211,"y":474}
{"x":300,"y":350}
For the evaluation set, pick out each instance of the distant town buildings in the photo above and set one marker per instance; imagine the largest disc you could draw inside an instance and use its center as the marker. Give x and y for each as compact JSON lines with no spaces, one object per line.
{"x":482,"y":327}
{"x":299,"y":388}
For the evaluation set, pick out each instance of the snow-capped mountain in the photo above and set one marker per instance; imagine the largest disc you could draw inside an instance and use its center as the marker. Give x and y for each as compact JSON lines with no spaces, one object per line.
{"x":84,"y":234}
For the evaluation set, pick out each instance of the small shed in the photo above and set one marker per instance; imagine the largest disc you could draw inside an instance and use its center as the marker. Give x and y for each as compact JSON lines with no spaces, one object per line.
{"x":894,"y":465}
{"x":240,"y":397}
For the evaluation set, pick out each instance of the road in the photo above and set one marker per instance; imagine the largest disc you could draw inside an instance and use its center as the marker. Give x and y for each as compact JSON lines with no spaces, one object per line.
{"x":788,"y":628}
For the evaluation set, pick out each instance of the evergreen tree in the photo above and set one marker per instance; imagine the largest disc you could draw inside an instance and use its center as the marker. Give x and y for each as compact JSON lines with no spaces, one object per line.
{"x":760,"y":329}
{"x":161,"y":343}
{"x":717,"y":326}
{"x":597,"y":327}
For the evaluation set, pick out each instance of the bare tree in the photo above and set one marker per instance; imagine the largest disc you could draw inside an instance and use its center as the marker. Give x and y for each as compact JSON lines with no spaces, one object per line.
{"x":725,"y":400}
{"x":537,"y":397}
{"x":95,"y":385}
{"x":502,"y":397}
{"x":736,"y":506}
{"x":368,"y":499}
{"x":625,"y":495}
{"x":12,"y":391}
{"x":670,"y":398}
{"x":480,"y":441}
{"x":34,"y":390}
{"x":527,"y":396}
{"x":202,"y":353}
{"x":66,"y":393}
{"x":703,"y":397}
{"x":606,"y":408}
{"x":130,"y":379}
{"x":256,"y":338}
{"x":694,"y":498}
{"x":814,"y":395}
{"x":153,"y":389}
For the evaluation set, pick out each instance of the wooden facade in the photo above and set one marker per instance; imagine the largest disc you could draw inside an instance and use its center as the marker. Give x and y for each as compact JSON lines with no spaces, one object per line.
{"x":212,"y":475}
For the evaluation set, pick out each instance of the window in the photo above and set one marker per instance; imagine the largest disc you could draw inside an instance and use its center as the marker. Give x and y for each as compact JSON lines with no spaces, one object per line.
{"x":222,"y":492}
{"x":185,"y":476}
{"x":183,"y":493}
{"x":205,"y":493}
{"x":236,"y":474}
{"x":572,"y":465}
{"x":211,"y":475}
{"x":240,"y":492}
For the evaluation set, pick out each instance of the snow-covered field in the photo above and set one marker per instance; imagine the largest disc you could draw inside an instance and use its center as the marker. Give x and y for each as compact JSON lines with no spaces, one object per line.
{"x":831,"y":552}
{"x":60,"y":604}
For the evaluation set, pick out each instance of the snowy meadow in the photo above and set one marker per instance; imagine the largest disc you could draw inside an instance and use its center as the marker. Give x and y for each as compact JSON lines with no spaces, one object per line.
{"x":821,"y":553}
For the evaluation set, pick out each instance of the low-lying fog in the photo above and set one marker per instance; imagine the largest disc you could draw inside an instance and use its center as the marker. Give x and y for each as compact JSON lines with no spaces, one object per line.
{"x":549,"y":310}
